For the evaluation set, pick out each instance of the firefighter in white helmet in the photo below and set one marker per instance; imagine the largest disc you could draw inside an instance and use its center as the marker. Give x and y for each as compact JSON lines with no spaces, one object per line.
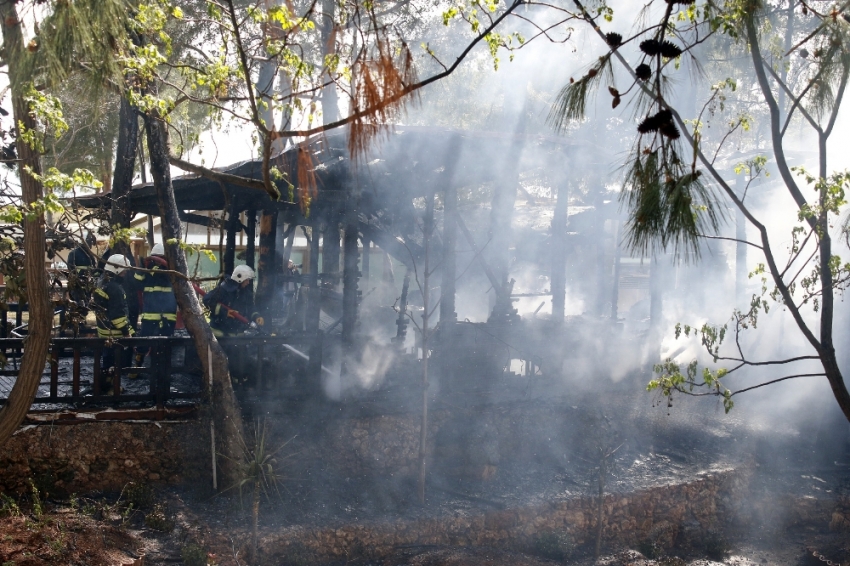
{"x":231,"y":300}
{"x":110,"y":306}
{"x":159,"y":306}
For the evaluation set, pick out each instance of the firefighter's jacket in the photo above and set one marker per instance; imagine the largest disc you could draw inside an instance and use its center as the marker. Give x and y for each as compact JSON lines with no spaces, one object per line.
{"x":80,"y":260}
{"x":229,"y":293}
{"x":158,"y":301}
{"x":129,"y":283}
{"x":110,"y":305}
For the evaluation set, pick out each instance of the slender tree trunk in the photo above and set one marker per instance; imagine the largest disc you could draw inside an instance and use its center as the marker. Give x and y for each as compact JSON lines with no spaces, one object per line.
{"x":40,"y":312}
{"x":330,"y":97}
{"x":125,"y":162}
{"x":225,"y":408}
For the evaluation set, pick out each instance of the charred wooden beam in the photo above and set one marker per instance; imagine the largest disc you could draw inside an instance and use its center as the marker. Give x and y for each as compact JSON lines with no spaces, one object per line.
{"x":201,"y":220}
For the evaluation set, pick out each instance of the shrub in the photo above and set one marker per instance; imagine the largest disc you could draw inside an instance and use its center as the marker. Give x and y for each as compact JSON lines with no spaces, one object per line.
{"x":139,"y":495}
{"x":554,"y":545}
{"x":194,"y":555}
{"x":158,"y":520}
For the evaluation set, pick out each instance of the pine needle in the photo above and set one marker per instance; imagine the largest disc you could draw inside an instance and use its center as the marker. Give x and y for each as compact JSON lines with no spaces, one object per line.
{"x":380,"y":88}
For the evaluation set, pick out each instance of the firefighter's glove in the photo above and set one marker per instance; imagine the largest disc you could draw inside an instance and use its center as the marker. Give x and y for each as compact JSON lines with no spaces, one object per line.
{"x":260,"y":321}
{"x":231,"y":313}
{"x":253,"y":326}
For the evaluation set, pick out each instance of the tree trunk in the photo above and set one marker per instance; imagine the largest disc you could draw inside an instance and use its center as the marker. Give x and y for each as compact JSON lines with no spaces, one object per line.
{"x":125,"y":161}
{"x":40,"y":312}
{"x":225,"y":408}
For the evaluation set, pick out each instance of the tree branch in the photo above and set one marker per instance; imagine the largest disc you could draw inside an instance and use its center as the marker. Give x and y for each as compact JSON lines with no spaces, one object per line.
{"x":218,"y":176}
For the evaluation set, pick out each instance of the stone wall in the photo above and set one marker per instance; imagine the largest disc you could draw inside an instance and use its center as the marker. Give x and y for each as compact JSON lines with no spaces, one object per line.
{"x":104,"y":456}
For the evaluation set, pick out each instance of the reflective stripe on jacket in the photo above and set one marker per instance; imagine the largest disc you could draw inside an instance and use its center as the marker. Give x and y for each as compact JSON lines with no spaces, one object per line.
{"x":158,"y":301}
{"x":110,"y":306}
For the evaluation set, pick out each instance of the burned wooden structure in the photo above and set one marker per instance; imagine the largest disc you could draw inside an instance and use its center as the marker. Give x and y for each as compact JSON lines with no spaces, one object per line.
{"x":341,"y":205}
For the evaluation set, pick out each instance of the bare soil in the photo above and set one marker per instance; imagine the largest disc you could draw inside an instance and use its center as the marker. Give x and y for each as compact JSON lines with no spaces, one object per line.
{"x":64,"y":537}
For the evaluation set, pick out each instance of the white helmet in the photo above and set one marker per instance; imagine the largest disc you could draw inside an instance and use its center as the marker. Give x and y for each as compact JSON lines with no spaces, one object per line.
{"x":158,"y":249}
{"x":242,"y":273}
{"x":117,"y":264}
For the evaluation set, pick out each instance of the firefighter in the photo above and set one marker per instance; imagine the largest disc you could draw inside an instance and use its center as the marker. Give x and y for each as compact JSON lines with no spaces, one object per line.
{"x":159,"y":306}
{"x":230,"y":298}
{"x":110,"y":306}
{"x":81,"y":278}
{"x":130,"y":288}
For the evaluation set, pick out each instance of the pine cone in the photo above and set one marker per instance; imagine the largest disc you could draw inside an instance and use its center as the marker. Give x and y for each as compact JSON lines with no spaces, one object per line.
{"x":643,"y":72}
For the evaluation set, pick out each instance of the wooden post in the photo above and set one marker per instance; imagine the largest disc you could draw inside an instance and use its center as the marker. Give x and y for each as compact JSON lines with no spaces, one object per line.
{"x":367,"y":248}
{"x":599,"y":238}
{"x":615,"y":287}
{"x":558,"y":276}
{"x":351,"y":274}
{"x":230,"y":247}
{"x":314,"y":305}
{"x":447,"y":294}
{"x":449,"y":261}
{"x":251,"y":235}
{"x":330,"y":251}
{"x":265,"y":265}
{"x":655,"y":297}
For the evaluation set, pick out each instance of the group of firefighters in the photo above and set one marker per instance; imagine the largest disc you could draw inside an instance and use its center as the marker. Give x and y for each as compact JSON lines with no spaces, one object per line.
{"x":116,"y":305}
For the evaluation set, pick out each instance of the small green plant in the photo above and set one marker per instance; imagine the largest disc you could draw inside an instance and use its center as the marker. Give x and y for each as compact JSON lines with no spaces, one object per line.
{"x":37,"y":506}
{"x":158,"y":520}
{"x":57,"y":543}
{"x":194,"y":555}
{"x":139,"y":495}
{"x":9,"y":563}
{"x":91,"y":509}
{"x":259,"y":472}
{"x":554,"y":545}
{"x":8,"y":507}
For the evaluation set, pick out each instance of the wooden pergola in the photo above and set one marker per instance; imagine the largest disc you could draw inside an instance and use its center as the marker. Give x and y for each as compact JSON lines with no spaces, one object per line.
{"x":371,"y":199}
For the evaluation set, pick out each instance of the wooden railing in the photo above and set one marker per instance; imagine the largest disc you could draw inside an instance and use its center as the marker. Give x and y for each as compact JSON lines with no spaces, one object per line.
{"x":86,"y":354}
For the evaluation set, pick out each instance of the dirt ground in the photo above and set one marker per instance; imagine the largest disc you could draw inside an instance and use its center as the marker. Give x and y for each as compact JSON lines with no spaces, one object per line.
{"x":64,"y":537}
{"x":144,"y":528}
